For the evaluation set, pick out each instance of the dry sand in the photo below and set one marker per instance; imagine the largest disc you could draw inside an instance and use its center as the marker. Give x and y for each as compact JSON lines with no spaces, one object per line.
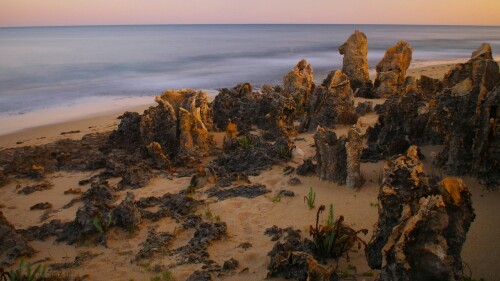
{"x":246,"y":218}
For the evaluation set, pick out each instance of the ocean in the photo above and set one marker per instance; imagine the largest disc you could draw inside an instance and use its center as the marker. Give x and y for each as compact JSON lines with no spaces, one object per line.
{"x":89,"y":69}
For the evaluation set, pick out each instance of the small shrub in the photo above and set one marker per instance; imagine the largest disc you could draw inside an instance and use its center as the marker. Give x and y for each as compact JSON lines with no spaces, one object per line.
{"x":310,"y":198}
{"x":98,"y":223}
{"x":277,"y":198}
{"x":24,"y":272}
{"x":285,"y":152}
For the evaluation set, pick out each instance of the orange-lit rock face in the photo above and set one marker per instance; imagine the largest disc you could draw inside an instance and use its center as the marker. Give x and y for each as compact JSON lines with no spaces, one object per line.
{"x":391,"y":70}
{"x":454,"y":186}
{"x":299,"y":84}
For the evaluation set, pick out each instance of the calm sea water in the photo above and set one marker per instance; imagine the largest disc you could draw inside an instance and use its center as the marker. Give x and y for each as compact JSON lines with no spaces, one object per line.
{"x":58,"y":66}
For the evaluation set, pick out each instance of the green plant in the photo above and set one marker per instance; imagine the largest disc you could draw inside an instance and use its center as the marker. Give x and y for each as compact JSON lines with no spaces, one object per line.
{"x":310,"y":198}
{"x":335,"y":240}
{"x":217,"y":218}
{"x":165,"y":276}
{"x":285,"y":152}
{"x":25,"y":273}
{"x":277,"y":198}
{"x":209,"y":214}
{"x":98,"y":223}
{"x":245,"y":142}
{"x":331,"y":220}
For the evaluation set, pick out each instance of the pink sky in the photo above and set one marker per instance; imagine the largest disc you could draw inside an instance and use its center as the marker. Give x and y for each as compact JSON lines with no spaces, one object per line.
{"x":104,"y":12}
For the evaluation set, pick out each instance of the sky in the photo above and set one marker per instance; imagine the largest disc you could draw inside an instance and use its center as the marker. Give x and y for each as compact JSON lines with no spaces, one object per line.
{"x":119,"y":12}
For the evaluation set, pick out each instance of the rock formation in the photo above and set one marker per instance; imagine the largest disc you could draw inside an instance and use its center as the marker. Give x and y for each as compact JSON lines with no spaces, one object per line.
{"x":238,"y":104}
{"x":466,"y":112}
{"x":422,"y":226}
{"x":403,"y":122}
{"x":12,"y":244}
{"x":355,"y":64}
{"x":331,"y":104}
{"x":391,"y":70}
{"x":276,"y":114}
{"x":192,"y":101}
{"x":299,"y":85}
{"x":331,"y":156}
{"x":354,"y":147}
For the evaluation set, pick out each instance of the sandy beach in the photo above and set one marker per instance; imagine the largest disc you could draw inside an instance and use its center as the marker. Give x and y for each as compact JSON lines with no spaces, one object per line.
{"x":247,"y":219}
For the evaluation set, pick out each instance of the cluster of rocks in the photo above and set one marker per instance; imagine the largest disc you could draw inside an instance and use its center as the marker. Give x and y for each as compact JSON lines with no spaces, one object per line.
{"x":422,"y":223}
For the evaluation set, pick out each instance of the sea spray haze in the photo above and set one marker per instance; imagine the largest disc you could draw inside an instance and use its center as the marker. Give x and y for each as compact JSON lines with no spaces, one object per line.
{"x":45,"y":67}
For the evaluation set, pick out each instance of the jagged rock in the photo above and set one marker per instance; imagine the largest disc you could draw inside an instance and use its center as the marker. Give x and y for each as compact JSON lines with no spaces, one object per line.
{"x":429,"y":87}
{"x":126,"y":215}
{"x":36,"y":187}
{"x":306,"y":168}
{"x":230,"y":265}
{"x":193,"y":135}
{"x":3,"y":179}
{"x":157,"y":158}
{"x":203,"y":176}
{"x":465,"y":112}
{"x":41,"y":206}
{"x":299,"y":85}
{"x":173,"y":205}
{"x":53,"y":228}
{"x":402,"y":123}
{"x":246,"y":191}
{"x":192,"y":101}
{"x":332,"y":103}
{"x":12,"y":245}
{"x":100,"y":192}
{"x":354,"y":147}
{"x":421,"y":227}
{"x":331,"y":156}
{"x":355,"y":64}
{"x":294,"y":181}
{"x":128,"y":132}
{"x":154,"y":243}
{"x":276,"y":115}
{"x":364,"y":108}
{"x":199,"y":276}
{"x":238,"y":104}
{"x":135,"y":177}
{"x":230,"y":141}
{"x":391,"y":70}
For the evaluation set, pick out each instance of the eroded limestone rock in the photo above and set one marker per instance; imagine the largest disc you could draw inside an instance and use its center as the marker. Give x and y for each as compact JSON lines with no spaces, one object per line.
{"x":422,"y":226}
{"x":12,"y":244}
{"x":354,"y":147}
{"x":331,"y":156}
{"x":355,"y":64}
{"x":391,"y":70}
{"x":299,"y":84}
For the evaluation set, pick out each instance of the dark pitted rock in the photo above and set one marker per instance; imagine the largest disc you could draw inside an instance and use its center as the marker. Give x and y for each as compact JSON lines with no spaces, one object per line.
{"x":203,"y":176}
{"x":354,"y":148}
{"x":299,"y":85}
{"x":466,"y":112}
{"x":41,"y":206}
{"x":277,"y":113}
{"x":157,"y":157}
{"x":199,"y":276}
{"x":391,"y":70}
{"x":246,"y":191}
{"x":295,"y":181}
{"x":429,"y":87}
{"x":135,"y":177}
{"x":155,"y":243}
{"x":238,"y":104}
{"x":175,"y":206}
{"x":230,"y":141}
{"x":230,"y":265}
{"x":331,"y":155}
{"x":403,"y":122}
{"x":331,"y":104}
{"x":421,"y":227}
{"x":364,"y":108}
{"x":12,"y":244}
{"x":355,"y":64}
{"x":307,"y":168}
{"x":286,"y":193}
{"x":45,"y":185}
{"x":100,"y":192}
{"x":3,"y":179}
{"x":53,"y":228}
{"x":126,"y":214}
{"x":159,"y":124}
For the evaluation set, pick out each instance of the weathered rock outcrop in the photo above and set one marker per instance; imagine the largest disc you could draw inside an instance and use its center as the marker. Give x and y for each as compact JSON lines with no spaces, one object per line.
{"x":402,"y":123}
{"x":466,"y":112}
{"x":277,"y":113}
{"x":391,"y":70}
{"x":192,"y":101}
{"x":354,"y":147}
{"x":238,"y":104}
{"x":12,"y":244}
{"x":422,"y":226}
{"x":355,"y":64}
{"x":331,"y":156}
{"x":299,"y":85}
{"x":332,"y":103}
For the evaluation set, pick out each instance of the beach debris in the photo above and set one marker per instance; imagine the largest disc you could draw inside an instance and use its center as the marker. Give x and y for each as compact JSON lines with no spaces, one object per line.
{"x":391,"y":70}
{"x":422,"y":226}
{"x":12,"y":244}
{"x":73,"y":191}
{"x":355,"y":64}
{"x":467,"y":113}
{"x":246,"y":191}
{"x":354,"y":148}
{"x":299,"y":85}
{"x":41,"y":206}
{"x":332,"y":103}
{"x":155,"y":244}
{"x":45,"y":185}
{"x":331,"y":156}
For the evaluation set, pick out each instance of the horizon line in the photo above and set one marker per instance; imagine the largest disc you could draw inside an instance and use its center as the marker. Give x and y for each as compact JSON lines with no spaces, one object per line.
{"x":179,"y":24}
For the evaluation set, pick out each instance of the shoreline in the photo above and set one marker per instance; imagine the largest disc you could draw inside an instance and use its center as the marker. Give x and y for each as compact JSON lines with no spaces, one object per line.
{"x":98,"y":116}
